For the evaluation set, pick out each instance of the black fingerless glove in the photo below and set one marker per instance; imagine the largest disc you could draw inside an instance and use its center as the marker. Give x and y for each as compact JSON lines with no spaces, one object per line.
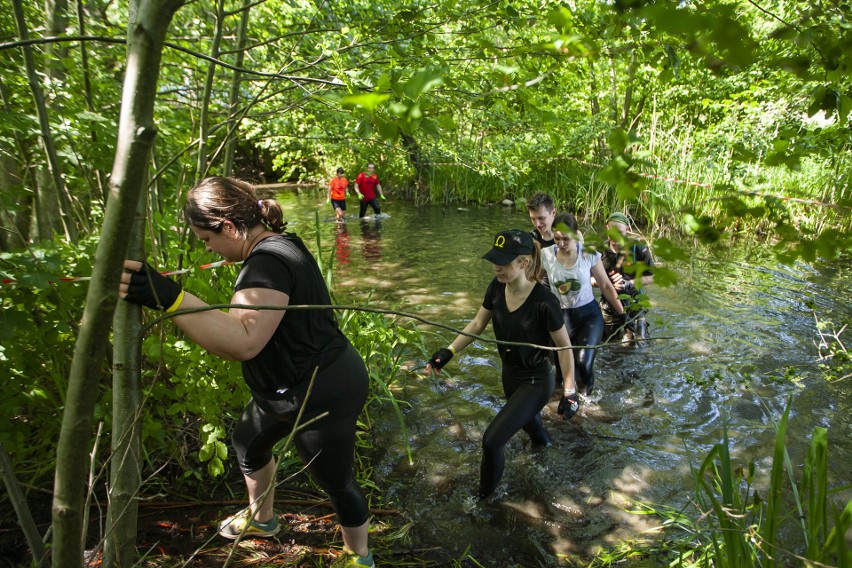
{"x":151,"y":289}
{"x":440,"y":358}
{"x":568,"y":406}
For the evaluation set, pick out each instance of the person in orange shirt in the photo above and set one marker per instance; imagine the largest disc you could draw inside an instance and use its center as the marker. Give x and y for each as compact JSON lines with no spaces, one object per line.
{"x":337,"y":194}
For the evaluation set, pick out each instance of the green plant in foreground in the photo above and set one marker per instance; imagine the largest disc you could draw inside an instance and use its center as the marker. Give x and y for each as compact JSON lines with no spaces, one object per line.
{"x":736,"y":527}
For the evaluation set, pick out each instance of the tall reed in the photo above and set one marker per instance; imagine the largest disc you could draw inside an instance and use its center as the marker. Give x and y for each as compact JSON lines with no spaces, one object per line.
{"x":736,"y":526}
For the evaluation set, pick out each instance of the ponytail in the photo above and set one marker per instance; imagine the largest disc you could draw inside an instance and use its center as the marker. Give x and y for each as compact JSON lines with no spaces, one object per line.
{"x":272,"y":215}
{"x":533,"y":270}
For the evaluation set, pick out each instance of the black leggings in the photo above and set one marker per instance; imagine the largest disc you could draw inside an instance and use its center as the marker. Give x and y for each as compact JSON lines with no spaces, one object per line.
{"x":327,"y":446}
{"x":374,"y":203}
{"x":526,"y":394}
{"x":585,"y":326}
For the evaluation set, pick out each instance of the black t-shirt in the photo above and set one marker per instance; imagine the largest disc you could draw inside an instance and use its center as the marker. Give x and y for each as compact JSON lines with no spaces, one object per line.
{"x":305,"y":339}
{"x":532,"y":322}
{"x":616,"y":261}
{"x":541,"y":240}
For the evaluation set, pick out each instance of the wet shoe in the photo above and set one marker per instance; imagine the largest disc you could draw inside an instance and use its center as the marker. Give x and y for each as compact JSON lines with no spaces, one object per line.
{"x":233,"y":526}
{"x":351,"y":560}
{"x":541,"y":439}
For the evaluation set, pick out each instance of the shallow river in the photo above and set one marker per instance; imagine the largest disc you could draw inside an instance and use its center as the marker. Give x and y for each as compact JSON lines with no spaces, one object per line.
{"x":731,"y":327}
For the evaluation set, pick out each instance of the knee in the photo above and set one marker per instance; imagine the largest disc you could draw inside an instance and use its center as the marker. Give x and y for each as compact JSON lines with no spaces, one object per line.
{"x":252,"y":463}
{"x":490,"y":445}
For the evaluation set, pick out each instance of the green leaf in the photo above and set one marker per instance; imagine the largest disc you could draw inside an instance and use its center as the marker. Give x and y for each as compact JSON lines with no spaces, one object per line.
{"x":215,"y":468}
{"x":205,"y":453}
{"x":368,"y":101}
{"x":422,"y":81}
{"x":221,"y":450}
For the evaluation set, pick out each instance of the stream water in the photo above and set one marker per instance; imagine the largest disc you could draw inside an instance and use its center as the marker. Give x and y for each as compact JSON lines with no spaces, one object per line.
{"x":727,"y":333}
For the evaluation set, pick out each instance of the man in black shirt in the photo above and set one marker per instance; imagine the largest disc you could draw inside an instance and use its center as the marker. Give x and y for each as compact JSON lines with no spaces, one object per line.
{"x":628,"y":267}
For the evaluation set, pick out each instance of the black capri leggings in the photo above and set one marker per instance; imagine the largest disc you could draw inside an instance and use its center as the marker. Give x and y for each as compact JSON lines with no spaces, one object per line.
{"x":327,"y":446}
{"x":526,"y":394}
{"x":585,"y":325}
{"x":374,"y":203}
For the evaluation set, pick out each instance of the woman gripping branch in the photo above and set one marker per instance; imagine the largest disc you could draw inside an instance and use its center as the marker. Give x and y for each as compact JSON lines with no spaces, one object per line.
{"x":280,"y":351}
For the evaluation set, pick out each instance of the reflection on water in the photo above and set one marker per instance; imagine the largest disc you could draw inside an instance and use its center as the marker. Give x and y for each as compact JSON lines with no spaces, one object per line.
{"x":735,"y":323}
{"x":371,"y":234}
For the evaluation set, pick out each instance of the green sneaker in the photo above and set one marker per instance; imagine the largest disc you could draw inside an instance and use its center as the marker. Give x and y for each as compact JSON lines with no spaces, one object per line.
{"x":233,"y":526}
{"x":351,"y":560}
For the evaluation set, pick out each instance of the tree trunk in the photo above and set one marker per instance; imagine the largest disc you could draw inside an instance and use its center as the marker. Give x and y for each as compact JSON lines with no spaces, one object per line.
{"x":413,"y":149}
{"x":22,"y":510}
{"x":234,"y":96}
{"x":208,"y":89}
{"x":13,"y":174}
{"x":57,"y":208}
{"x":125,"y":467}
{"x":147,"y":26}
{"x":87,"y":89}
{"x":594,"y":102}
{"x":628,"y":91}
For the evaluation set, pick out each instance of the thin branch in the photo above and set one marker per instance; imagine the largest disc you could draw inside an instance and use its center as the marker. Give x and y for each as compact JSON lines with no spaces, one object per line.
{"x":47,"y":40}
{"x":408,"y":315}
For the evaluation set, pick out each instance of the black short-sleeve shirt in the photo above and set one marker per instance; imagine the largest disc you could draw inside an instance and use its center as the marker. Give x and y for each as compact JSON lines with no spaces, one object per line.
{"x":304,"y":339}
{"x":532,"y":322}
{"x":616,"y":261}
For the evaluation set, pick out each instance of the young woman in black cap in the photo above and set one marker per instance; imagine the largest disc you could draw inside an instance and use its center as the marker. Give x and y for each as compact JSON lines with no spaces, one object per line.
{"x":522,"y":311}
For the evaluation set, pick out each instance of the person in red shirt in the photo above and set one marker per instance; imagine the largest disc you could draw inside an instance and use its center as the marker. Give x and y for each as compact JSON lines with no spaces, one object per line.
{"x":369,"y":190}
{"x":337,"y":193}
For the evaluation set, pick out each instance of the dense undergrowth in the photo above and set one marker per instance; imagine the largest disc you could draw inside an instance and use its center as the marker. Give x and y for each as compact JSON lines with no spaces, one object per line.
{"x":191,"y":399}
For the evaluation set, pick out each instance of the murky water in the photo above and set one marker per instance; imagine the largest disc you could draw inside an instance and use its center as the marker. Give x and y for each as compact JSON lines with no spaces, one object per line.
{"x":727,"y":332}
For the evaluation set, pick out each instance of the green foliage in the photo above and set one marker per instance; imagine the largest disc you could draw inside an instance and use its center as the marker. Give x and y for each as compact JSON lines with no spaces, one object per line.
{"x":737,"y":527}
{"x":387,"y":344}
{"x":38,"y":326}
{"x":835,"y":362}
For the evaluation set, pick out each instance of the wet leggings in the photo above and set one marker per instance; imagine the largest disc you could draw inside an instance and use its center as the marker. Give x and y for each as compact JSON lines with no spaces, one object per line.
{"x":585,"y":325}
{"x":327,"y":446}
{"x":526,"y":395}
{"x":374,"y":203}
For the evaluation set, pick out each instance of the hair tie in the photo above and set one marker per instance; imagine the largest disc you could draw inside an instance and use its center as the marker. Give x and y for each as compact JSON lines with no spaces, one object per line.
{"x":260,"y":203}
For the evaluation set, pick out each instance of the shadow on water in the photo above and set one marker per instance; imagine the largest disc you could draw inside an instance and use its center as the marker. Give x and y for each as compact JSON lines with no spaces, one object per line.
{"x":736,"y":324}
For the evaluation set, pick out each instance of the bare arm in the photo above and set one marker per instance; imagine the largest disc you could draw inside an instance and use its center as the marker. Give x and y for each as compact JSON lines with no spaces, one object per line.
{"x":566,"y":357}
{"x":607,"y":289}
{"x":476,"y":326}
{"x":238,"y":334}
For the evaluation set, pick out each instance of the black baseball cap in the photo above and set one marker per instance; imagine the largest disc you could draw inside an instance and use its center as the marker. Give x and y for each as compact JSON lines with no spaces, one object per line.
{"x":508,"y":245}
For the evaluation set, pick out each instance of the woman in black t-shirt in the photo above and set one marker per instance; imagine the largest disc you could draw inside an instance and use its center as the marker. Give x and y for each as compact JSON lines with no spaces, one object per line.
{"x":522,"y":311}
{"x":280,"y":351}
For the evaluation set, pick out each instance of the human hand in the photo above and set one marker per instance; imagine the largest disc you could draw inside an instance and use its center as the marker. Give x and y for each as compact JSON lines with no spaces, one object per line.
{"x":439,"y":359}
{"x":360,"y":197}
{"x":141,"y":284}
{"x":568,"y":406}
{"x":382,"y":196}
{"x":327,"y":200}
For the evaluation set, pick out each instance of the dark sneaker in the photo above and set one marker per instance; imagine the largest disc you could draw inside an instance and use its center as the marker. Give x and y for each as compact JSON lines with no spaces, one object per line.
{"x":233,"y":526}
